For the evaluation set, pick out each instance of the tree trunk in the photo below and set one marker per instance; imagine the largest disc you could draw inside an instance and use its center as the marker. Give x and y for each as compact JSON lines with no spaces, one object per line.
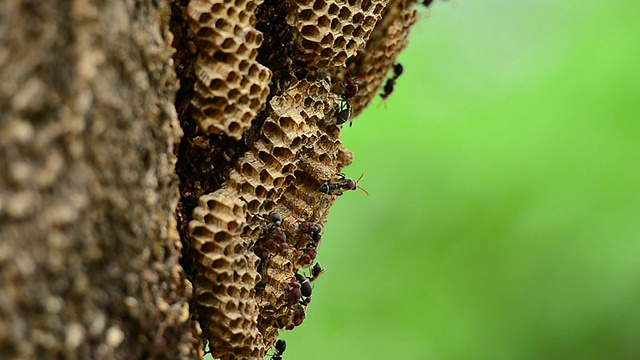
{"x":89,"y":247}
{"x":108,"y":214}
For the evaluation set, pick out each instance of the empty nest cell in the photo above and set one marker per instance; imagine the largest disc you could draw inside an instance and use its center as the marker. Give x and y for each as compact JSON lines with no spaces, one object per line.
{"x":329,"y":32}
{"x":231,"y":86}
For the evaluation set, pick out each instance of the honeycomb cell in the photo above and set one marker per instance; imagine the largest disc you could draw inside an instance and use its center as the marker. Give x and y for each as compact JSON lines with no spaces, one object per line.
{"x":210,"y":247}
{"x":227,"y":40}
{"x":314,"y":22}
{"x":220,"y":213}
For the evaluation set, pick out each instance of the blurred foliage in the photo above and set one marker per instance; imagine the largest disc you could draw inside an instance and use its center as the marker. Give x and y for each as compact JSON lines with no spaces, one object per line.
{"x":503,"y":220}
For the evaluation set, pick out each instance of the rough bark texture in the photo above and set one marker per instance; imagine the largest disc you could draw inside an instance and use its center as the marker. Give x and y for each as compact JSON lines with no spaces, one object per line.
{"x":88,"y":242}
{"x":99,"y":245}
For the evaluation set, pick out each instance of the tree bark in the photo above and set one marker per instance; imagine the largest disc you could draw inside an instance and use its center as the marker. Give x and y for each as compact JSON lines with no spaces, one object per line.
{"x":88,"y":242}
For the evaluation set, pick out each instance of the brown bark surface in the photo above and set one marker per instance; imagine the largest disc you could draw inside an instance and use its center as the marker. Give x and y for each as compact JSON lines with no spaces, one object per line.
{"x":88,"y":246}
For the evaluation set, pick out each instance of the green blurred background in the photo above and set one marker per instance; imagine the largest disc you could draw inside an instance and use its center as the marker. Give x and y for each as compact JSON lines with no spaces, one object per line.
{"x":503,"y":216}
{"x":503,"y":220}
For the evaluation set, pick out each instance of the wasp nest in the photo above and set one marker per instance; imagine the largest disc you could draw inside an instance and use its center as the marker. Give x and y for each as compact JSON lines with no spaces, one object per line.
{"x":298,"y":150}
{"x":252,"y":211}
{"x":231,"y":86}
{"x":329,"y":32}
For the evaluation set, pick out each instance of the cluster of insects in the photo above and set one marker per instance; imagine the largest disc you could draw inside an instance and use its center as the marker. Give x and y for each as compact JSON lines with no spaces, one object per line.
{"x":351,"y":87}
{"x":299,"y":296}
{"x":310,"y":252}
{"x":300,"y":285}
{"x":274,"y":241}
{"x":301,"y":249}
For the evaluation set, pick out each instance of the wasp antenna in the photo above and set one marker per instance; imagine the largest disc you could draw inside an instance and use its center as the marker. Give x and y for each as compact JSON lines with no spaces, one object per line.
{"x":361,"y":175}
{"x":363,"y":190}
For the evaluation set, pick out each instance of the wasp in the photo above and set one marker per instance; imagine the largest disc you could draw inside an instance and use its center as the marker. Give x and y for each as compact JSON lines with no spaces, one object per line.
{"x":340,"y":184}
{"x":398,"y":69}
{"x":350,"y":86}
{"x":344,"y":113}
{"x":306,"y":282}
{"x":428,"y":3}
{"x":388,"y":88}
{"x":350,"y":91}
{"x":279,"y":349}
{"x":295,"y":314}
{"x":311,"y":227}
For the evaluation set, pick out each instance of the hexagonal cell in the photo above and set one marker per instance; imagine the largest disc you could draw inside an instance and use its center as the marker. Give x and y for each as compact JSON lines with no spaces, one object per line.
{"x":219,"y":214}
{"x":315,"y":21}
{"x":228,"y":42}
